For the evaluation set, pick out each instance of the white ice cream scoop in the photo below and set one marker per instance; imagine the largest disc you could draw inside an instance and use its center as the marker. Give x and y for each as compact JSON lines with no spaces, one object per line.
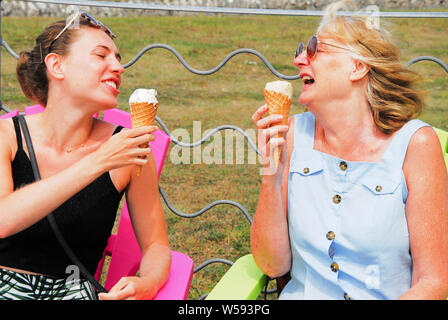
{"x":283,"y":87}
{"x":144,"y":95}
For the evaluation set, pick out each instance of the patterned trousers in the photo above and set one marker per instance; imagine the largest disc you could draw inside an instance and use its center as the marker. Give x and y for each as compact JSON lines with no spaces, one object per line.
{"x":23,"y":286}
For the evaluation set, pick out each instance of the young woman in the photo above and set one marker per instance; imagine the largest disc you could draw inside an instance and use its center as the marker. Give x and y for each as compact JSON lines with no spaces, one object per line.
{"x":86,"y":165}
{"x":358,"y":206}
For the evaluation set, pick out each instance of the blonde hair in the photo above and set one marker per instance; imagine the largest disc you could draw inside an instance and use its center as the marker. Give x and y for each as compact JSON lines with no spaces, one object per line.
{"x":393,"y":90}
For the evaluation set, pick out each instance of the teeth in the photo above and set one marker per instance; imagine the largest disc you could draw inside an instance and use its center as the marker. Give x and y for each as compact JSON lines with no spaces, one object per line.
{"x":307,"y":79}
{"x":112,"y":84}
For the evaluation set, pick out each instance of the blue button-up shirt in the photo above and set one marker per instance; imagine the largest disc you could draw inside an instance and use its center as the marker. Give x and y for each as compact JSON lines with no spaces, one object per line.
{"x":347,"y":221}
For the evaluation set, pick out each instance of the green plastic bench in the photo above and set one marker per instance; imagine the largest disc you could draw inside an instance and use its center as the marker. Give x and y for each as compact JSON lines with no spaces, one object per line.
{"x":245,"y":281}
{"x":443,"y":137}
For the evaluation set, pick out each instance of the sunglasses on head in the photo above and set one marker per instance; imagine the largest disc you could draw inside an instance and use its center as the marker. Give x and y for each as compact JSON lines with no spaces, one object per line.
{"x":83,"y":15}
{"x":94,"y":22}
{"x":311,"y":48}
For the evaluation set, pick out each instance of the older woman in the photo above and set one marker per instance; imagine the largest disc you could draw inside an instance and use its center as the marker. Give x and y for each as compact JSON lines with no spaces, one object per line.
{"x":86,"y":165}
{"x":358,"y":206}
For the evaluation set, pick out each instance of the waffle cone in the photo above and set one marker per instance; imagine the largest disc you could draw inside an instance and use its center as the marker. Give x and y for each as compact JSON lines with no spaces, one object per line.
{"x":143,"y":114}
{"x":278,"y":103}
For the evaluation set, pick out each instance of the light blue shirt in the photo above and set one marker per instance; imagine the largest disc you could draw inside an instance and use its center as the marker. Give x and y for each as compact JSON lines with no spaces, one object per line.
{"x":347,"y":221}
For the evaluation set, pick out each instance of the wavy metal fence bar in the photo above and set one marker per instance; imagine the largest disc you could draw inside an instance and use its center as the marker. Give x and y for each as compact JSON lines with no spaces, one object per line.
{"x":213,"y":70}
{"x":226,"y":10}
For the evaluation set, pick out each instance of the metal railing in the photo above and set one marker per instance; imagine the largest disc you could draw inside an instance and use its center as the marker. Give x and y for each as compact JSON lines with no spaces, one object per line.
{"x":251,"y":143}
{"x":227,"y":10}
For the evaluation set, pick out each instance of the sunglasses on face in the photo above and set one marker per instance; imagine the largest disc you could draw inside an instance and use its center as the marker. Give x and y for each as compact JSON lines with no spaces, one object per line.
{"x":94,"y":22}
{"x":311,"y":48}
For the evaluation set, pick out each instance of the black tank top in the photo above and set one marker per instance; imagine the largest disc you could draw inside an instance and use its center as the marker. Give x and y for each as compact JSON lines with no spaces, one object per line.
{"x":85,"y":220}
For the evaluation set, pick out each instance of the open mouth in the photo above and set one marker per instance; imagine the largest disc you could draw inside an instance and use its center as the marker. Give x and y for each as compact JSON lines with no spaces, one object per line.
{"x":307,"y":80}
{"x":111,"y":83}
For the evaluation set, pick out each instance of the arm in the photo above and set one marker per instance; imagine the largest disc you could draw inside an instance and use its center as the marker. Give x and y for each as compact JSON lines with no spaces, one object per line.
{"x":33,"y":206}
{"x":149,"y":225}
{"x":427,"y":216}
{"x":269,"y":231}
{"x":120,"y":150}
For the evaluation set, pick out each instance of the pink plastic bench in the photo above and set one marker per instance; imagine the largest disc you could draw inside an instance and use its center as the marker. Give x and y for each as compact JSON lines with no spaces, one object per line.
{"x":123,"y":247}
{"x":181,"y":272}
{"x":9,"y":114}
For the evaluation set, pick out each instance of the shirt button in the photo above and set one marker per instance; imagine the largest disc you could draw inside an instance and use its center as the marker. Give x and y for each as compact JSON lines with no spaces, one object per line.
{"x":378,"y":188}
{"x":336,"y":198}
{"x":334,"y":267}
{"x":346,"y":296}
{"x":330,"y":235}
{"x":306,"y":170}
{"x":343,"y":165}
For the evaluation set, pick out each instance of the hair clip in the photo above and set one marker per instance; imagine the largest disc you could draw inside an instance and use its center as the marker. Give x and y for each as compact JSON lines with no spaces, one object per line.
{"x":41,"y":55}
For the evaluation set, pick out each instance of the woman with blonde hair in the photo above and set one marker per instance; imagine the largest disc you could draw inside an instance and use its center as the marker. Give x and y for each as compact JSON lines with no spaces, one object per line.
{"x":357,"y":208}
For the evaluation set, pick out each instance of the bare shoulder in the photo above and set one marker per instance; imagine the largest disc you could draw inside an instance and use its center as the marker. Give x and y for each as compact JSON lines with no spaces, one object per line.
{"x":105,"y":129}
{"x":424,"y":156}
{"x":8,"y":135}
{"x":424,"y":142}
{"x":6,"y":126}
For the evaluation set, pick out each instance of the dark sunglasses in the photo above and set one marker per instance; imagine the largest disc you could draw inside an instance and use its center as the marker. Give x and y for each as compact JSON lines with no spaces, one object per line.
{"x":311,"y":48}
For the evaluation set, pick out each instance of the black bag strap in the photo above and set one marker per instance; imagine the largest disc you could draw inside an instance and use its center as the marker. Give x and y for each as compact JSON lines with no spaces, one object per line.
{"x":51,"y":218}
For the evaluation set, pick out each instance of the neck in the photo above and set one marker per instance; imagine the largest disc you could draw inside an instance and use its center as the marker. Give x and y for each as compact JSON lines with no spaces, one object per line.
{"x":347,"y":130}
{"x":65,"y":127}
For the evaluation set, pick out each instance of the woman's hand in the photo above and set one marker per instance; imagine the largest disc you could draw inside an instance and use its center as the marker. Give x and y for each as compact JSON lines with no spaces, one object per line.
{"x":268,"y":140}
{"x":125,"y":148}
{"x":269,"y":235}
{"x":130,"y":288}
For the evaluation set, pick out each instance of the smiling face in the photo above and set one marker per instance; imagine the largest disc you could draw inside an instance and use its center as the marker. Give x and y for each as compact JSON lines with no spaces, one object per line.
{"x":326,"y":76}
{"x":92,"y":69}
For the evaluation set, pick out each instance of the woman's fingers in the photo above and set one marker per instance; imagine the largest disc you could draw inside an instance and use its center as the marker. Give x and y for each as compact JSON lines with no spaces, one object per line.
{"x":268,"y":133}
{"x":259,"y":113}
{"x":260,"y":122}
{"x":123,"y":289}
{"x":271,"y":136}
{"x":137,"y":140}
{"x":269,"y":140}
{"x":136,"y":132}
{"x":268,"y":121}
{"x":140,"y":155}
{"x":129,"y":147}
{"x":143,"y":139}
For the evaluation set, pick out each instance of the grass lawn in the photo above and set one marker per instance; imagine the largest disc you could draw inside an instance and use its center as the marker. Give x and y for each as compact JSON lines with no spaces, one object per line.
{"x":229,"y":96}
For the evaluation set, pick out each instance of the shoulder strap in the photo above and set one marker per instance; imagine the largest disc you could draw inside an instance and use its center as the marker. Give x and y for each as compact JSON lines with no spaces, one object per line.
{"x":304,"y":124}
{"x":398,"y":147}
{"x":29,"y":145}
{"x":50,"y":216}
{"x":15,"y":120}
{"x":117,"y":129}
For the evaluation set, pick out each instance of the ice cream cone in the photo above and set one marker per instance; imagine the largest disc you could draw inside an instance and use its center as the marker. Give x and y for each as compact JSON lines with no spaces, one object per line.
{"x":143,"y":105}
{"x":278,"y":96}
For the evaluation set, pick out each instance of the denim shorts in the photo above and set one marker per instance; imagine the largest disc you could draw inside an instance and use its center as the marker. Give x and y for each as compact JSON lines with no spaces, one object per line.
{"x":24,"y":286}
